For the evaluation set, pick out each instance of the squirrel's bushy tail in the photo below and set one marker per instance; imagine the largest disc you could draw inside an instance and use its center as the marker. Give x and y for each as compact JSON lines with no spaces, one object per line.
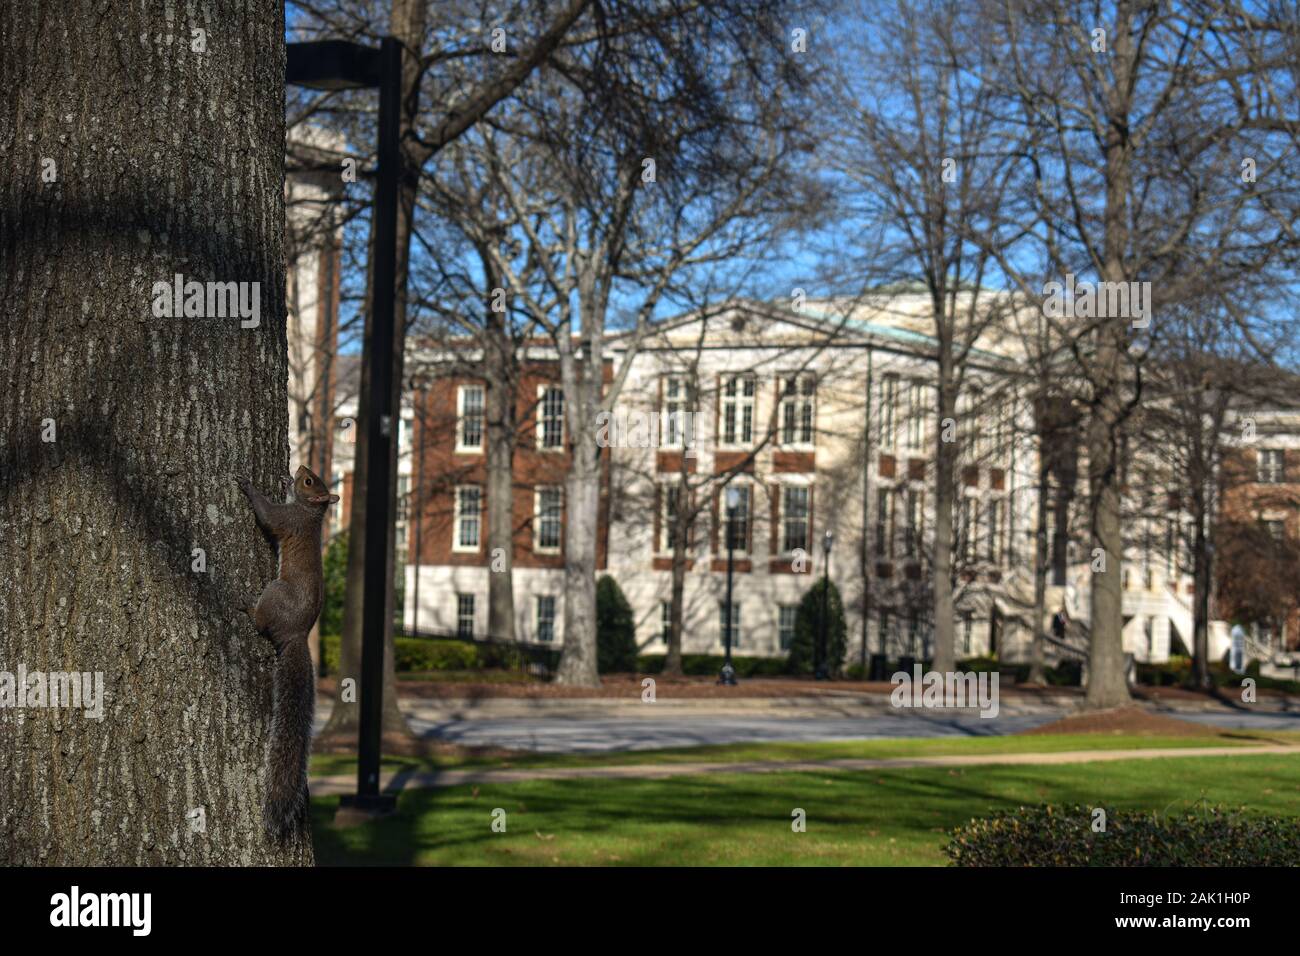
{"x":291,"y":723}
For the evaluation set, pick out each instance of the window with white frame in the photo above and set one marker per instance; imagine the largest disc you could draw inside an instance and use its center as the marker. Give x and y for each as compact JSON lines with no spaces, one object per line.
{"x":738,"y":409}
{"x":885,"y":522}
{"x":735,"y":622}
{"x":916,"y":412}
{"x":469,"y":517}
{"x":465,"y":616}
{"x":550,"y":417}
{"x":794,"y":517}
{"x":548,"y":519}
{"x":1270,"y":466}
{"x":737,"y":535}
{"x":546,"y":618}
{"x":469,"y":431}
{"x":676,"y":406}
{"x":888,"y":410}
{"x":787,"y":614}
{"x":798,"y":392}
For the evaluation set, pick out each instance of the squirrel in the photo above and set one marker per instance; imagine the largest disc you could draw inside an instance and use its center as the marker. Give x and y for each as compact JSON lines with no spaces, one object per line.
{"x":284,"y":614}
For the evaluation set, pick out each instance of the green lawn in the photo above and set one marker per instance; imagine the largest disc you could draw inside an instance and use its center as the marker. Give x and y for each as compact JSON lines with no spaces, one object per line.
{"x":893,"y":817}
{"x":339,"y":764}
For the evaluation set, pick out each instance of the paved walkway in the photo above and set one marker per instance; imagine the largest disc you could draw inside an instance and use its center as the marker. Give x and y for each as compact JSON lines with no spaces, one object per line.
{"x":425,"y":780}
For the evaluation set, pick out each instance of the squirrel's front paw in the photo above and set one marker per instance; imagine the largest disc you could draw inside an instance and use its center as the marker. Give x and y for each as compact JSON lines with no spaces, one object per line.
{"x":245,"y":483}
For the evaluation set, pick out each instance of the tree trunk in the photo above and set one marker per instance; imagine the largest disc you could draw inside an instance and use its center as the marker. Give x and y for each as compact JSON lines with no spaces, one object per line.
{"x":501,"y":399}
{"x":1037,"y":665}
{"x":944,"y":660}
{"x":125,"y":431}
{"x":677,"y":609}
{"x":582,"y":390}
{"x":1202,"y":576}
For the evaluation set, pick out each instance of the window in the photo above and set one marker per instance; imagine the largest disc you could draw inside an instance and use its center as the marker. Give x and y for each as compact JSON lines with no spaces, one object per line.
{"x":912,"y":539}
{"x":548,"y":520}
{"x":794,"y":512}
{"x":967,"y":623}
{"x":797,"y":393}
{"x":468,"y":517}
{"x":465,"y":616}
{"x":888,"y":410}
{"x":738,"y":410}
{"x":666,"y":620}
{"x":884,"y":522}
{"x":737,"y":536}
{"x":916,"y":415}
{"x":403,"y":497}
{"x":1276,"y":529}
{"x":786,"y":616}
{"x":676,"y":406}
{"x":546,"y":618}
{"x":995,"y":532}
{"x":550,"y":417}
{"x":1270,"y":466}
{"x":469,"y":432}
{"x":735,"y":623}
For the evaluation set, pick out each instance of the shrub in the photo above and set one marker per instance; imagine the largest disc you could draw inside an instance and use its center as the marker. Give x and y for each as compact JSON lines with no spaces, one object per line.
{"x":336,"y":583}
{"x":807,"y":624}
{"x":704,"y":665}
{"x":615,"y":629}
{"x":1063,"y":836}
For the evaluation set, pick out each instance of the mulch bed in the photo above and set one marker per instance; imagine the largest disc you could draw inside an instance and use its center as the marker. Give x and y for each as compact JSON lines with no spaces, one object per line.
{"x":1124,"y":720}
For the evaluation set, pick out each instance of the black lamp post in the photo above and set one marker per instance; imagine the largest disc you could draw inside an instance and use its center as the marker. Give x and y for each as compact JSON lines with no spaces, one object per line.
{"x":822,"y":671}
{"x":728,"y":674}
{"x":338,"y":65}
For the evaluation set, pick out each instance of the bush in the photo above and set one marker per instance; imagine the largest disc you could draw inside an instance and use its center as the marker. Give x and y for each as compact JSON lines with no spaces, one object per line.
{"x":702,"y":665}
{"x":615,"y":629}
{"x":1063,"y":836}
{"x":807,"y":624}
{"x":336,"y":583}
{"x":423,"y":654}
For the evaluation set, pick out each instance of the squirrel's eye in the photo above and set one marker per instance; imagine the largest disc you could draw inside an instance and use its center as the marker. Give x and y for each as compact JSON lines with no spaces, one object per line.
{"x":308,"y":481}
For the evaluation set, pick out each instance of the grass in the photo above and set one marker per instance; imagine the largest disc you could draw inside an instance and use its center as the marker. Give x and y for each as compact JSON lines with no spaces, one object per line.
{"x":891,"y":817}
{"x":343,"y":764}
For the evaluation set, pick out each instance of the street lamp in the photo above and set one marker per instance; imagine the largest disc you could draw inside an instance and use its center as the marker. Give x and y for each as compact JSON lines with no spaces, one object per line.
{"x":822,"y":671}
{"x":339,"y":65}
{"x":728,"y":674}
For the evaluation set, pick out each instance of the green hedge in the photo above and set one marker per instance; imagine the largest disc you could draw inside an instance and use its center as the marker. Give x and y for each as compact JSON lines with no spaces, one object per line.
{"x":1063,"y":836}
{"x":700,"y":665}
{"x":429,"y":654}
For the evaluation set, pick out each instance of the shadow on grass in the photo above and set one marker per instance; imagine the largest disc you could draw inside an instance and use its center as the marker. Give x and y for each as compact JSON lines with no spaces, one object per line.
{"x":858,"y":817}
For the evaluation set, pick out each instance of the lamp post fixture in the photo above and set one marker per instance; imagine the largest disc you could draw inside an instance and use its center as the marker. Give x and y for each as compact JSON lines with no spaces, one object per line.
{"x":728,"y":674}
{"x":822,"y":671}
{"x":339,"y":65}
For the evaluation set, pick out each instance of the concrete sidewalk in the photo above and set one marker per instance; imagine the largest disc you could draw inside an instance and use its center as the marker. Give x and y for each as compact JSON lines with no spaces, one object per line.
{"x":437,"y":779}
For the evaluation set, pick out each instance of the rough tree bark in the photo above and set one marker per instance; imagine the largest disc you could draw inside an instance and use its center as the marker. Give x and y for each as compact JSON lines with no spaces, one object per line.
{"x":168,"y":149}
